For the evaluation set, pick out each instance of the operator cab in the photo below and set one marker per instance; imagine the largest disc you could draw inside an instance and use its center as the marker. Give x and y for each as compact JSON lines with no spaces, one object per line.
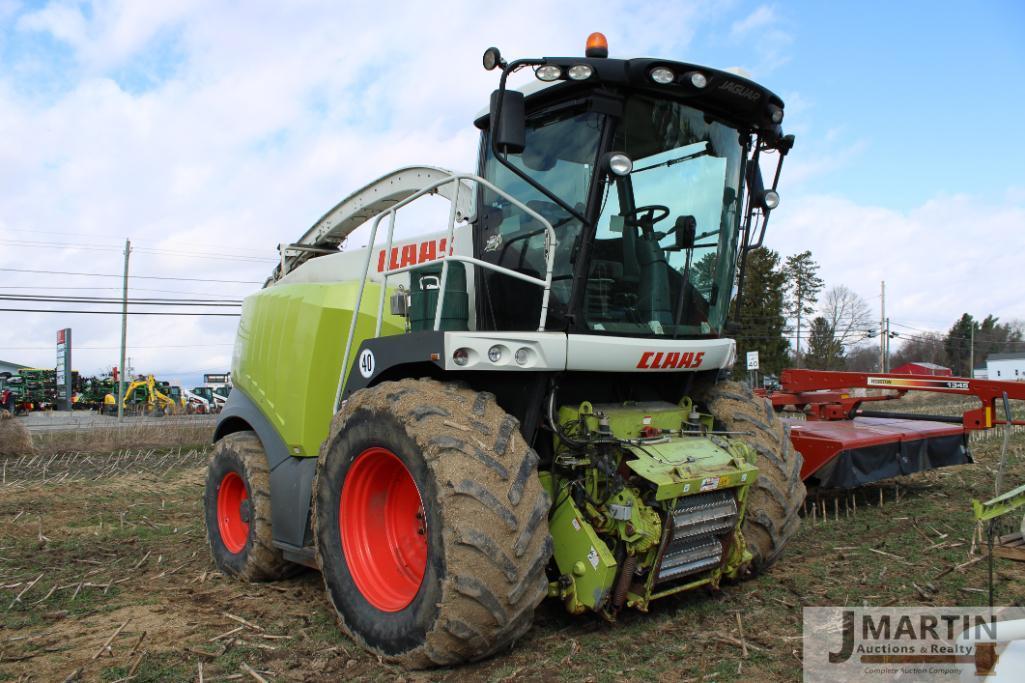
{"x":648,"y":172}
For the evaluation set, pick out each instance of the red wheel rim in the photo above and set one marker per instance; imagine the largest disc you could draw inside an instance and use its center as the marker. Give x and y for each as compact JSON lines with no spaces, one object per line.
{"x":231,"y":494}
{"x":383,"y":529}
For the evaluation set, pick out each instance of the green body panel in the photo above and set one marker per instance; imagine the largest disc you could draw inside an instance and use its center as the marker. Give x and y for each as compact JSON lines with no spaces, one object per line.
{"x":690,"y":465}
{"x":289,"y":348}
{"x":1001,"y":505}
{"x":668,"y":446}
{"x":681,"y":462}
{"x":584,"y":560}
{"x":628,"y":419}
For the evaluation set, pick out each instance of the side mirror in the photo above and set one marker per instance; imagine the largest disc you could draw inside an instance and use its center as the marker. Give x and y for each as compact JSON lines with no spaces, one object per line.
{"x":399,"y":302}
{"x":686,"y":229}
{"x":510,"y":133}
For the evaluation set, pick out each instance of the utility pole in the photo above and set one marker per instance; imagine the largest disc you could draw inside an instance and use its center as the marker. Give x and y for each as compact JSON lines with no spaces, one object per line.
{"x":797,"y":346}
{"x":886,"y":357}
{"x":882,"y":323}
{"x":124,"y":335}
{"x":971,"y":352}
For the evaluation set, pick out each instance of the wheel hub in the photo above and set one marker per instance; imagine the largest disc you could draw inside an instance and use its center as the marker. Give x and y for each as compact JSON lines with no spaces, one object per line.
{"x":245,"y":510}
{"x":234,"y":511}
{"x":383,"y":529}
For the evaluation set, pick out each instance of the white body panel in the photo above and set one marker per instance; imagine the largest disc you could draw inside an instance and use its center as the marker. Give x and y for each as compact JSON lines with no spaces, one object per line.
{"x":628,"y":354}
{"x":348,"y":265}
{"x":557,"y":351}
{"x":369,"y":201}
{"x":544,"y":350}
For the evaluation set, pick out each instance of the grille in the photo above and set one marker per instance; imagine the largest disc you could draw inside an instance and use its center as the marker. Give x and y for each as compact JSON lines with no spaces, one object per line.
{"x":694,"y":544}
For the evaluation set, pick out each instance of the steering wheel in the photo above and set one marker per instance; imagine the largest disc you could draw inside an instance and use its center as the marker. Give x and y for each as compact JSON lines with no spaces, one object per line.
{"x":647,"y":216}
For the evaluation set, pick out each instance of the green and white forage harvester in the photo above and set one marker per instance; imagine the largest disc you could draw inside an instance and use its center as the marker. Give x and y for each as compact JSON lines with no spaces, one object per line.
{"x":533,"y":401}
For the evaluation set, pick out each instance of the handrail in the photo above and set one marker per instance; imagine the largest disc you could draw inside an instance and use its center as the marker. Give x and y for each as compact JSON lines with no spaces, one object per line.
{"x":550,"y":244}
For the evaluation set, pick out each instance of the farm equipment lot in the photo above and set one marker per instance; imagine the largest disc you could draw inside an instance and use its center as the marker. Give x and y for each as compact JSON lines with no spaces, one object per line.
{"x":112,"y":548}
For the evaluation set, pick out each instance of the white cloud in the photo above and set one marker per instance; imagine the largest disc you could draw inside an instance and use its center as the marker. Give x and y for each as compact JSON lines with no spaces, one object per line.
{"x":762,"y":17}
{"x":951,"y":255}
{"x":818,"y":161}
{"x":61,"y":20}
{"x":263,"y":116}
{"x":766,"y":32}
{"x":258,"y":119}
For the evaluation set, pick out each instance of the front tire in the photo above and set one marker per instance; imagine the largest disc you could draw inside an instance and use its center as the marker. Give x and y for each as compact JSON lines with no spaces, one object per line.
{"x":238,"y":512}
{"x":431,"y":524}
{"x":775,"y":500}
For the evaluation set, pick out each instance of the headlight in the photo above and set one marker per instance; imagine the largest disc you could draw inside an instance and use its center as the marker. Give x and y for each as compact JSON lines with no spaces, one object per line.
{"x":461,"y":356}
{"x":662,"y":75}
{"x":492,"y":58}
{"x":495,"y":354}
{"x":770,"y":199}
{"x":620,"y":164}
{"x":698,"y":80}
{"x":580,"y":72}
{"x":522,"y":355}
{"x":549,"y":72}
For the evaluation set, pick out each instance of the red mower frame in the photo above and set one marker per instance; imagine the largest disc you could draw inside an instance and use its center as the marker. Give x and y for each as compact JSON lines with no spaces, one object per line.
{"x":837,"y":426}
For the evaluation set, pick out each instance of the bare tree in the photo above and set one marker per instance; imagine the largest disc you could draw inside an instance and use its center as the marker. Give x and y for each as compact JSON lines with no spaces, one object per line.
{"x":847,"y":314}
{"x":920,"y":347}
{"x":862,"y":359}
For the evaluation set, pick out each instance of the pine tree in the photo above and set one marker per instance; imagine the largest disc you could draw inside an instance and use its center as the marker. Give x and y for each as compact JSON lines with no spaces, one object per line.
{"x":762,"y":318}
{"x":825,"y":352}
{"x":990,"y":336}
{"x":803,"y":287}
{"x":957,"y":345}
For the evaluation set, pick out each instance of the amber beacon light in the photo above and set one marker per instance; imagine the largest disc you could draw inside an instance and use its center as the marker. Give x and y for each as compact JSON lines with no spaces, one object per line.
{"x":597,"y":46}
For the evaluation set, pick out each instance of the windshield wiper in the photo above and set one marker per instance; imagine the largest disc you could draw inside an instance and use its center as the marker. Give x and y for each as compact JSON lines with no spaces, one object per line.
{"x":679,"y":160}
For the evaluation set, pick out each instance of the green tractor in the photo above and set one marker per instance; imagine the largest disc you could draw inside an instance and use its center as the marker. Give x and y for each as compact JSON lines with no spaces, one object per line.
{"x":533,"y":402}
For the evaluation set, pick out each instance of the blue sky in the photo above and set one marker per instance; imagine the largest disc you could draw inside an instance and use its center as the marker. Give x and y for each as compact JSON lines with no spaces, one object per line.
{"x":209,"y":131}
{"x":933,"y":89}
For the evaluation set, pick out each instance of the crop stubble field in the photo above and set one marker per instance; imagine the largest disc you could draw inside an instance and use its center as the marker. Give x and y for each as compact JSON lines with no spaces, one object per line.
{"x":105,"y":575}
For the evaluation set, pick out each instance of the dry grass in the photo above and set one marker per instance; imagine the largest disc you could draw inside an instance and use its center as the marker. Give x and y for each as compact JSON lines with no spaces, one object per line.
{"x":14,"y":438}
{"x":91,"y":542}
{"x":111,"y":548}
{"x":135,"y":436}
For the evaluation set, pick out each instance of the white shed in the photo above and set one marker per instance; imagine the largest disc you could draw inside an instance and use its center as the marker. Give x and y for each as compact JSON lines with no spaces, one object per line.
{"x":1006,"y":366}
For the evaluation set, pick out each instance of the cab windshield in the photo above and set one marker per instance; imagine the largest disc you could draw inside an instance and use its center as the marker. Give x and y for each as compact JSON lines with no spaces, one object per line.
{"x":560,"y":154}
{"x":644,"y":279}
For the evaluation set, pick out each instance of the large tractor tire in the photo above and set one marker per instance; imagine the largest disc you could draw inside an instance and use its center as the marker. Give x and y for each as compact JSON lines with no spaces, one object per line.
{"x":431,"y":523}
{"x":238,"y":518}
{"x":775,"y":500}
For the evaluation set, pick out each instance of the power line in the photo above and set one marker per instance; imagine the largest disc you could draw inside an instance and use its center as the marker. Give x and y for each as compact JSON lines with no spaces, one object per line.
{"x":181,"y":313}
{"x":118,"y":301}
{"x":115,"y":289}
{"x":108,"y":348}
{"x":118,"y":246}
{"x":137,"y":277}
{"x":206,"y":254}
{"x":944,"y":336}
{"x":146,"y":250}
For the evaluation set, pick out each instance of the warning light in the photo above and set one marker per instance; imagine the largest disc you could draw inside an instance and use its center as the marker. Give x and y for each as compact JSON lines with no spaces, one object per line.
{"x":597,"y":46}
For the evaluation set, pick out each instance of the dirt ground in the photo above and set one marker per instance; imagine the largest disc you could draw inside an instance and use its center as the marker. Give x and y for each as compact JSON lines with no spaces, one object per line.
{"x":105,"y":575}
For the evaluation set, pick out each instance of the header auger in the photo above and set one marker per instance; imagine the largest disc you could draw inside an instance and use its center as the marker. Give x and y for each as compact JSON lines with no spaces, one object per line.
{"x":541,"y":409}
